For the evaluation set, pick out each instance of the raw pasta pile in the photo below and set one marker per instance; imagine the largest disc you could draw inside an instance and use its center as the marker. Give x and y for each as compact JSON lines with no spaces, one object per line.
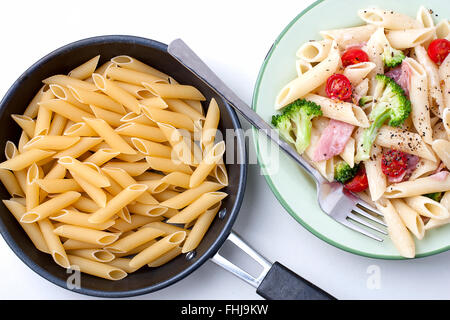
{"x":370,"y":108}
{"x":116,"y":168}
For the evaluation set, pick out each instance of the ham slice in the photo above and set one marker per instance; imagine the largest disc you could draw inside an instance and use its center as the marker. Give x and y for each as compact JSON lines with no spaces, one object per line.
{"x":332,"y":140}
{"x":401,"y":75}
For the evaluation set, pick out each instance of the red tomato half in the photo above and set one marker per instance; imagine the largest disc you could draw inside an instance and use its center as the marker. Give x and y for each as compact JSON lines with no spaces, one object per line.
{"x":438,"y":50}
{"x":394,"y":163}
{"x":359,"y":182}
{"x":354,"y":56}
{"x":338,"y":87}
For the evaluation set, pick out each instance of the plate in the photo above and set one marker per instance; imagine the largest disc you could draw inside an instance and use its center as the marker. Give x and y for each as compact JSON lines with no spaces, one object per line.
{"x":294,"y":189}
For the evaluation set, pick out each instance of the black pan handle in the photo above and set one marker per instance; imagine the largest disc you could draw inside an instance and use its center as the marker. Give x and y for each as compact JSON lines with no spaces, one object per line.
{"x":276,"y":282}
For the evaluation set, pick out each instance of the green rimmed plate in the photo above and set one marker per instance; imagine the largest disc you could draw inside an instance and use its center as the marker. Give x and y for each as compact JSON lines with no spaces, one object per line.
{"x":293,"y":188}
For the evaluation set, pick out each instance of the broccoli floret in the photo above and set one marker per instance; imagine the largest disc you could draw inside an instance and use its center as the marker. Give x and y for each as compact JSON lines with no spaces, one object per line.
{"x":436,"y":196}
{"x":392,"y":57}
{"x":365,"y":100}
{"x":392,"y":106}
{"x":343,"y":172}
{"x":294,"y":123}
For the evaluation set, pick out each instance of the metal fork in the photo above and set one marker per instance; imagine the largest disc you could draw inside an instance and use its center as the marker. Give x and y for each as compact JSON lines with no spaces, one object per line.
{"x":334,"y":200}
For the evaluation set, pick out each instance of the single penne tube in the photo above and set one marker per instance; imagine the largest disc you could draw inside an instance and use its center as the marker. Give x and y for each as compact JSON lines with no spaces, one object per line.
{"x":442,"y":148}
{"x":22,"y":141}
{"x":177,"y":105}
{"x":116,"y":93}
{"x":95,"y":193}
{"x":443,"y":29}
{"x":51,"y":142}
{"x":32,"y":192}
{"x":66,"y":81}
{"x":58,"y":185}
{"x":43,"y":120}
{"x":174,"y":91}
{"x":56,"y":172}
{"x":138,"y":130}
{"x":208,"y":163}
{"x":340,"y":110}
{"x":97,"y":99}
{"x":84,"y":171}
{"x":200,"y":227}
{"x":86,"y":69}
{"x":85,"y":204}
{"x":150,"y":148}
{"x":410,"y":217}
{"x":419,"y":97}
{"x":102,"y":156}
{"x":130,"y":76}
{"x":99,"y":255}
{"x":435,"y":223}
{"x":156,"y":102}
{"x":97,"y":269}
{"x":136,"y":222}
{"x":50,"y":206}
{"x":177,"y":179}
{"x":86,"y":234}
{"x":212,"y":119}
{"x":135,"y":250}
{"x":165,"y":227}
{"x":375,"y":177}
{"x":112,"y":138}
{"x":57,"y":125}
{"x":220,"y":174}
{"x":445,"y":83}
{"x":314,"y":51}
{"x":409,"y":38}
{"x":178,"y":120}
{"x":149,"y":210}
{"x":31,"y":229}
{"x":165,"y":258}
{"x":138,"y":92}
{"x":181,"y":145}
{"x":356,"y":73}
{"x":131,"y":63}
{"x":27,"y":124}
{"x":438,"y":182}
{"x":11,"y":184}
{"x":185,"y":198}
{"x":406,"y":141}
{"x":133,"y":168}
{"x":196,"y":208}
{"x":310,"y":80}
{"x":166,"y":195}
{"x":397,"y":230}
{"x":122,"y":263}
{"x":121,"y":200}
{"x":78,"y":218}
{"x":158,"y":249}
{"x":349,"y":36}
{"x":125,"y":180}
{"x":428,"y":207}
{"x":25,"y":159}
{"x":168,"y":165}
{"x":54,"y":244}
{"x":71,"y":244}
{"x":65,"y":109}
{"x":112,"y":118}
{"x":388,"y":19}
{"x":134,"y":240}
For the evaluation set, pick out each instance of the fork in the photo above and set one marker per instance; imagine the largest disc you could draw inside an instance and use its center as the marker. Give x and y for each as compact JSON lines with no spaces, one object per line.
{"x":337,"y":202}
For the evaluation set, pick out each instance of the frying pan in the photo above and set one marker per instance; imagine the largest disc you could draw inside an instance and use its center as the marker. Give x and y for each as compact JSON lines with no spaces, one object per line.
{"x":275,"y":281}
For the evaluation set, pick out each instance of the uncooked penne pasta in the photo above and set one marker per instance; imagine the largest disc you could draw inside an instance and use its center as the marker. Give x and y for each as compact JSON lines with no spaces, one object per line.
{"x":97,"y":269}
{"x":86,"y":69}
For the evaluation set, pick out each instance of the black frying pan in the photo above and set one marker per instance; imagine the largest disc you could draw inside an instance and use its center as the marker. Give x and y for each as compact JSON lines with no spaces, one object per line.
{"x":276,"y":282}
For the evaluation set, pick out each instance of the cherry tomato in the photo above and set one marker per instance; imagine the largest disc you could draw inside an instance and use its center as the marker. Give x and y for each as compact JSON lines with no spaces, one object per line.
{"x":353,"y":56}
{"x":359,"y":182}
{"x":338,"y":87}
{"x":438,"y":50}
{"x":394,"y":163}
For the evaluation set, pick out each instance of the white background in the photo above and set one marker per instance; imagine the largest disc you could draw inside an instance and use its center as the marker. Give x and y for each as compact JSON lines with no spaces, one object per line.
{"x":233,"y":38}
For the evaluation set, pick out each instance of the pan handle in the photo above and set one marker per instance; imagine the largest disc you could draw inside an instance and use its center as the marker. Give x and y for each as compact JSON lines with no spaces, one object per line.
{"x":276,"y":282}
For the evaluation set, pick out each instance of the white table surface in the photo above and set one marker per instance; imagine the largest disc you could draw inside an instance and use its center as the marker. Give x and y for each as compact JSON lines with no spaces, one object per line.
{"x":233,"y":38}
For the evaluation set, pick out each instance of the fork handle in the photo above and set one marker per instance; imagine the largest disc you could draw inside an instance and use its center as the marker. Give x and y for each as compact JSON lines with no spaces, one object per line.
{"x":181,"y":52}
{"x":280,"y":283}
